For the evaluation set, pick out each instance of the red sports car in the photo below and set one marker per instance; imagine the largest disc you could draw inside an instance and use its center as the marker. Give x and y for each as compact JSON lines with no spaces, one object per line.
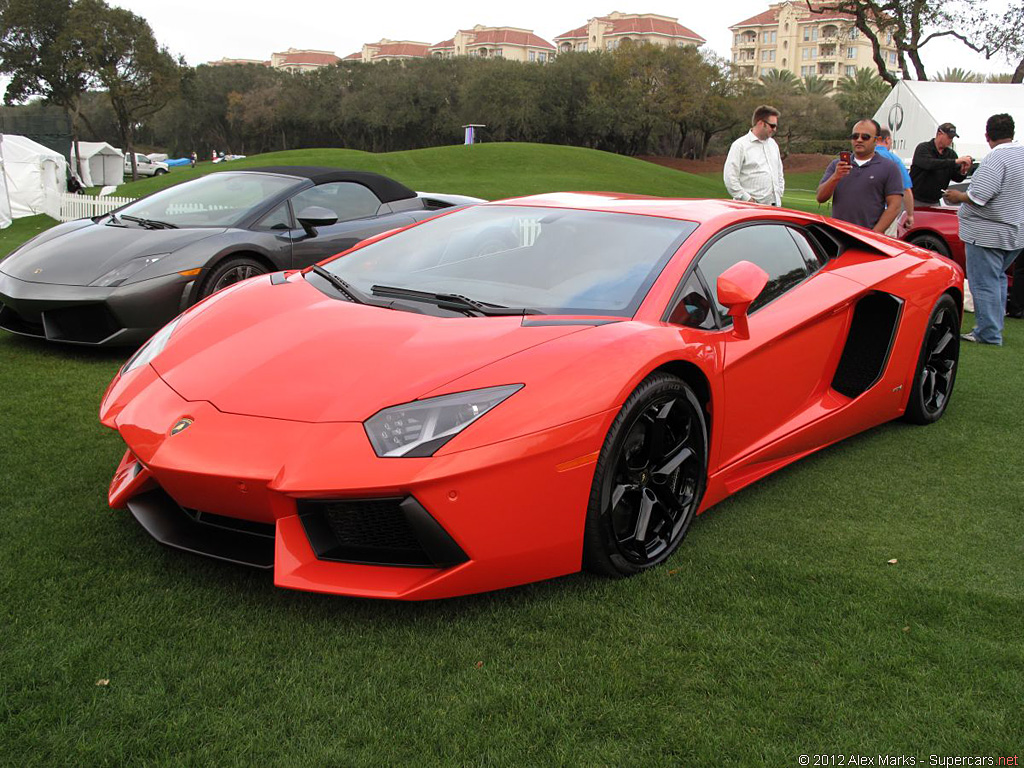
{"x":936,"y":228}
{"x":514,"y":391}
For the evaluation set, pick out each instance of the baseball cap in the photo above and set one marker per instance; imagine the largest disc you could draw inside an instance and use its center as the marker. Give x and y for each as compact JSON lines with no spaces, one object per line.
{"x":949,"y":129}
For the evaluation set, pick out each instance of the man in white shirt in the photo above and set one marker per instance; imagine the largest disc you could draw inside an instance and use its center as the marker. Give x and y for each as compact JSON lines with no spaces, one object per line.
{"x":753,"y":169}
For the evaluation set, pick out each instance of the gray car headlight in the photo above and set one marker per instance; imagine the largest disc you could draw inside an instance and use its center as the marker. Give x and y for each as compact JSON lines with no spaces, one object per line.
{"x":421,"y":427}
{"x":148,"y":351}
{"x":120,"y":275}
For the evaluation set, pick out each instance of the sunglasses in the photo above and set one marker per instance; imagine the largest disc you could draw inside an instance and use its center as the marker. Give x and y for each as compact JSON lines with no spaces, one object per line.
{"x":773,"y":126}
{"x":861,"y":136}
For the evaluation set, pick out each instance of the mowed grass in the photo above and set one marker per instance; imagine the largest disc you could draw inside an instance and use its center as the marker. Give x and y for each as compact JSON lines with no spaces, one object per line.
{"x":777,"y":630}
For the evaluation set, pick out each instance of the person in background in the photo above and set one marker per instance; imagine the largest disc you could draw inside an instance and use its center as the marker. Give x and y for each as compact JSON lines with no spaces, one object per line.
{"x":868,"y":189}
{"x":935,"y":165}
{"x":194,"y":158}
{"x":753,"y":169}
{"x":992,"y":227}
{"x":884,"y":148}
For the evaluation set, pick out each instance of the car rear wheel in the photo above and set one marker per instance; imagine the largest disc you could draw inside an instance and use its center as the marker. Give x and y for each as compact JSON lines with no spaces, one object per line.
{"x":936,"y":367}
{"x":649,"y":480}
{"x":230,"y":272}
{"x":930,"y":242}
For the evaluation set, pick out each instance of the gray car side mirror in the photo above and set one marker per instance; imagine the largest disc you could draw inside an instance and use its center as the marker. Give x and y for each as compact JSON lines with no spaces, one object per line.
{"x":315,"y":216}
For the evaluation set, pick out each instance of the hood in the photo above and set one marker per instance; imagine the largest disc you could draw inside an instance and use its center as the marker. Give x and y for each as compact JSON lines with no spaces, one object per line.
{"x":288,"y":351}
{"x":78,"y":255}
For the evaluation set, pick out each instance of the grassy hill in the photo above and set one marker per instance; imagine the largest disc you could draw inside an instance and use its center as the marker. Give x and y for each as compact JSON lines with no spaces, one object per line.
{"x":491,"y":171}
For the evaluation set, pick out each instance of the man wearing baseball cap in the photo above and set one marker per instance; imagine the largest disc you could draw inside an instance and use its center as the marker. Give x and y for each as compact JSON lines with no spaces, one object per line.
{"x":935,"y":165}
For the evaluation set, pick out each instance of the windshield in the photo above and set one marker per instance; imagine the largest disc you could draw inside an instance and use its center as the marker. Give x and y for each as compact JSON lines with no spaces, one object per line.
{"x":554,"y":260}
{"x":217,"y":200}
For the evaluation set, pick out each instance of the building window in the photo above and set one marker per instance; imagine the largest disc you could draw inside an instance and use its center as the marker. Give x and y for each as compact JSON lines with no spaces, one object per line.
{"x":542,"y":57}
{"x":851,"y":70}
{"x":765,"y":71}
{"x":888,"y":38}
{"x":854,"y":33}
{"x":533,"y":56}
{"x":810,"y":34}
{"x":808,"y":53}
{"x":583,"y":47}
{"x":829,"y":31}
{"x":806,"y":71}
{"x":768,"y":37}
{"x":892,"y":57}
{"x":851,"y":52}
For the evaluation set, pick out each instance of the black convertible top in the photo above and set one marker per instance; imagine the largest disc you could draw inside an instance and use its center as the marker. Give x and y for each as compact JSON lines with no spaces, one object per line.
{"x":388,"y":190}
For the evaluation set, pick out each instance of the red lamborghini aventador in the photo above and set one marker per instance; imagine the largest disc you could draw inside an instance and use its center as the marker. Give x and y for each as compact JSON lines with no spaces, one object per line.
{"x":517,"y":390}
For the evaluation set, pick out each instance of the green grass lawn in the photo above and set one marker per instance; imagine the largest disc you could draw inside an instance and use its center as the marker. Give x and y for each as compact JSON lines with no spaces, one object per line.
{"x":777,"y":630}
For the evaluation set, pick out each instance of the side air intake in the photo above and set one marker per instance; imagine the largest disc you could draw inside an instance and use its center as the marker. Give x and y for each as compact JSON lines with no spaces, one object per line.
{"x":869,"y":343}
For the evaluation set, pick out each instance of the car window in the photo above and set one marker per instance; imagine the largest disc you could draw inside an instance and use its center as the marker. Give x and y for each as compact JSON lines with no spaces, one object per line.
{"x":347,"y":199}
{"x":693,"y":308}
{"x":812,"y":259}
{"x":279,"y":218}
{"x":770,"y":246}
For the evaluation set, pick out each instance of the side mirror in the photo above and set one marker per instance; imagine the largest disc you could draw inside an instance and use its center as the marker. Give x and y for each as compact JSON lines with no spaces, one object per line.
{"x":737,"y":287}
{"x":314,"y":216}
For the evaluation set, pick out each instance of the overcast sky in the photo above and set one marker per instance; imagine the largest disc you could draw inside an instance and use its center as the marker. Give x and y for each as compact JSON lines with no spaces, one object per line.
{"x":202,"y":31}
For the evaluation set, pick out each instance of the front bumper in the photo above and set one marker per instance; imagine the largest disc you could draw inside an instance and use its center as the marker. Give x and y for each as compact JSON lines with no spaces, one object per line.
{"x":108,"y":317}
{"x":488,"y":518}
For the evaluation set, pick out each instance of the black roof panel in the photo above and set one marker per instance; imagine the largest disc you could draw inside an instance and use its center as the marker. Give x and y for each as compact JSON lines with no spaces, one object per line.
{"x":385,"y":188}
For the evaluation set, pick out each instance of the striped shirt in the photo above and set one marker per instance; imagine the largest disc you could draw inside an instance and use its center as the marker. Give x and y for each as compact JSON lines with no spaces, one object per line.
{"x":993,"y":216}
{"x":753,"y":170}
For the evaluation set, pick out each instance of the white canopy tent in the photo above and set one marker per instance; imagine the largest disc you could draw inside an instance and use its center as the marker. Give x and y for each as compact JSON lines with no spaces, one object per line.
{"x":915,"y":109}
{"x":102,"y":164}
{"x":34,"y":175}
{"x":5,"y":202}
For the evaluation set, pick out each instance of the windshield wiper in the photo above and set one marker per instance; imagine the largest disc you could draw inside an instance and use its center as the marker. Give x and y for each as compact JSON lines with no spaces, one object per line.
{"x":150,"y":223}
{"x":453,"y":301}
{"x":345,"y":287}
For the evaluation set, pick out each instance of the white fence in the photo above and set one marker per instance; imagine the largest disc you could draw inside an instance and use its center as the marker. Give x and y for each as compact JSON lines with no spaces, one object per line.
{"x":84,"y":206}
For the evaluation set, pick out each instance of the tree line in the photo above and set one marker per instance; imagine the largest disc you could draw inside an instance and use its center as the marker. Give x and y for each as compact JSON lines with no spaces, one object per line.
{"x":104,"y":67}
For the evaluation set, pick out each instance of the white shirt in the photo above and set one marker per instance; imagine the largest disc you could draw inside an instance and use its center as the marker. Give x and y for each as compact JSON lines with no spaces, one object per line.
{"x":753,"y":170}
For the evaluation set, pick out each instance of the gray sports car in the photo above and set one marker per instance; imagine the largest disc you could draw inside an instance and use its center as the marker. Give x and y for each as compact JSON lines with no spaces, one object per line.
{"x":115,"y":279}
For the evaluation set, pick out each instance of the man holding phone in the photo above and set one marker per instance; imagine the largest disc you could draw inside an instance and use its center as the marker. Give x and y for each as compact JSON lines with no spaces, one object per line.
{"x":864,"y":187}
{"x":935,"y":165}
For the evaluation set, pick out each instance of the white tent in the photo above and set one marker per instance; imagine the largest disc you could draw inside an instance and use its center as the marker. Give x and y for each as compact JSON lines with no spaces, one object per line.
{"x":5,"y":201}
{"x":35,"y":176}
{"x":102,"y":164}
{"x":915,"y":109}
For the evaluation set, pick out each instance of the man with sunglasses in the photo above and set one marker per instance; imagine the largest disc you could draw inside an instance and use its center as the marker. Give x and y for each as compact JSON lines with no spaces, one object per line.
{"x":867,"y":190}
{"x":935,"y":165}
{"x":753,"y":169}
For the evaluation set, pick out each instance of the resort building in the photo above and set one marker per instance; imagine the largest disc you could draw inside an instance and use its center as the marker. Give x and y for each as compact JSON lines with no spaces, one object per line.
{"x":788,"y":36}
{"x":390,"y":50}
{"x":296,"y":60}
{"x":496,"y":42}
{"x":606,"y":33}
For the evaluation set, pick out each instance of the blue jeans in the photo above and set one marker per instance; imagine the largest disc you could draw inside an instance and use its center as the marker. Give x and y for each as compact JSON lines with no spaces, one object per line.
{"x":986,"y":272}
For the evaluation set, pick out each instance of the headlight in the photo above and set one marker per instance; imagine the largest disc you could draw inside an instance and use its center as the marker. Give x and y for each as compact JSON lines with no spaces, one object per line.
{"x":421,"y":427}
{"x":148,"y":351}
{"x":119,"y":275}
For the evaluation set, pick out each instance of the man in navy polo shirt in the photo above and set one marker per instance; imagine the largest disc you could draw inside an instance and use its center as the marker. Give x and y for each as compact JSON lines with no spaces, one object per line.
{"x":869,"y":189}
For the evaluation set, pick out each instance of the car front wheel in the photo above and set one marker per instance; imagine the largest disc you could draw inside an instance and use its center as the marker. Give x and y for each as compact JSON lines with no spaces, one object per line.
{"x":936,"y":367}
{"x":649,"y":479}
{"x":230,"y":272}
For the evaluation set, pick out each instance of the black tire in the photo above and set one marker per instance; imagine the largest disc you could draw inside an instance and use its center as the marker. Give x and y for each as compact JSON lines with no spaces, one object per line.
{"x":649,"y":479}
{"x":930,"y":242}
{"x":935,"y":373}
{"x":159,"y":172}
{"x":229,"y":272}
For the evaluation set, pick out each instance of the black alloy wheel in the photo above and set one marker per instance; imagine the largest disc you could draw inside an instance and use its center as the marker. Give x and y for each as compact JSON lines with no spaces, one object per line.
{"x":930,"y":242}
{"x":649,"y":479}
{"x":937,"y":365}
{"x":230,"y":272}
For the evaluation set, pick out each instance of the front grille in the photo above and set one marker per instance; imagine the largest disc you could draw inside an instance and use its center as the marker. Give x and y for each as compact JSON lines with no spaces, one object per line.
{"x":390,"y":531}
{"x":231,"y":523}
{"x":18,"y":323}
{"x":87,"y":323}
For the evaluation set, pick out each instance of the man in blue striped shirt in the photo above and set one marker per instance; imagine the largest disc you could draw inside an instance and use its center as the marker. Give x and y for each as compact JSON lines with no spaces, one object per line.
{"x":992,"y":226}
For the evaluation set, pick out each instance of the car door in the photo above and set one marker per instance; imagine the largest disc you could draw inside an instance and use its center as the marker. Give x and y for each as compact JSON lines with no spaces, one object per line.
{"x":777,"y":380}
{"x":358,"y":210}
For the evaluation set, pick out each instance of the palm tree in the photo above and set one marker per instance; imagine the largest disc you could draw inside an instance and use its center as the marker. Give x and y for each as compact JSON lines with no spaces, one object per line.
{"x":813,"y":85}
{"x":959,"y":75}
{"x":860,"y":96}
{"x":780,"y":81}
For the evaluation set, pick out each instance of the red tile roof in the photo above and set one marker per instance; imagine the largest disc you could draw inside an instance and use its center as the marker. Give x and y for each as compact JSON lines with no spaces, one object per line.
{"x":308,"y":57}
{"x":648,"y":26}
{"x":636,"y":25}
{"x":510,"y":36}
{"x":409,"y":50}
{"x":443,"y":45}
{"x":573,"y":33}
{"x":771,"y":16}
{"x":357,"y":56}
